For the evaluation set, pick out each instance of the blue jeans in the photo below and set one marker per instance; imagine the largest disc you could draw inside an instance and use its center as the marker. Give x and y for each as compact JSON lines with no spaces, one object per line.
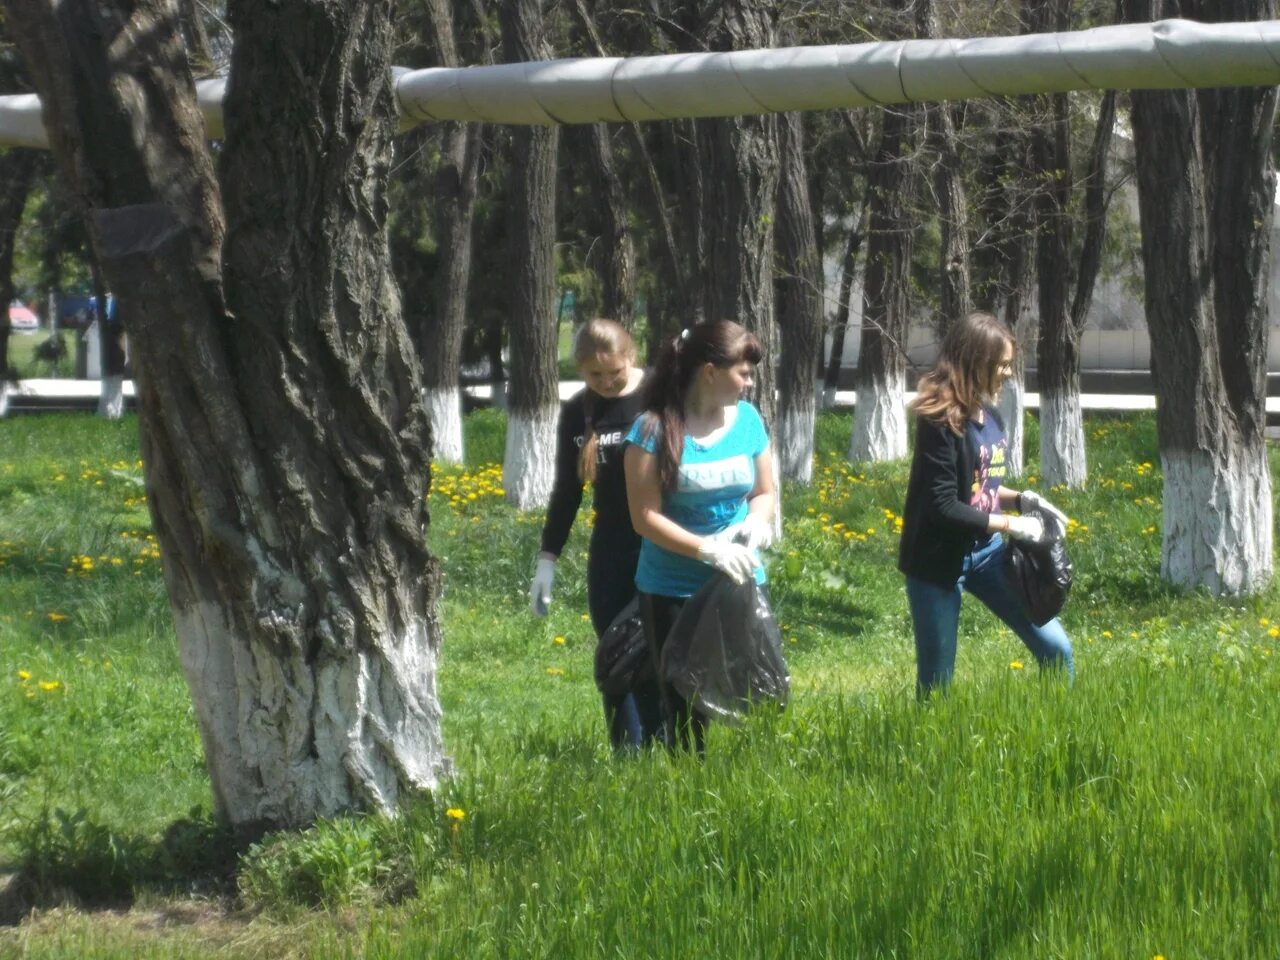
{"x":935,"y":615}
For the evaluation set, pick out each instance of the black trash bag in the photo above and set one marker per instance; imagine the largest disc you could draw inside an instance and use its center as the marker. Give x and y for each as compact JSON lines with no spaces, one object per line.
{"x":1040,"y":574}
{"x":724,"y":652}
{"x":622,"y":655}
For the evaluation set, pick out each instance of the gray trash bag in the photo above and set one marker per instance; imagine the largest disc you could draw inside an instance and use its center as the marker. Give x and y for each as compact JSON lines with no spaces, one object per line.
{"x":724,"y":652}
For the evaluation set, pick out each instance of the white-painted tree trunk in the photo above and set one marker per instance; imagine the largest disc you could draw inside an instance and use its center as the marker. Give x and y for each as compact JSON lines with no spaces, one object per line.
{"x":1217,"y":520}
{"x":795,"y":438}
{"x":528,"y":466}
{"x":828,"y":398}
{"x":880,"y":422}
{"x":111,"y":399}
{"x":444,"y":411}
{"x":1013,"y":406}
{"x":777,"y":497}
{"x":1062,"y":456}
{"x":4,"y":398}
{"x":287,"y":740}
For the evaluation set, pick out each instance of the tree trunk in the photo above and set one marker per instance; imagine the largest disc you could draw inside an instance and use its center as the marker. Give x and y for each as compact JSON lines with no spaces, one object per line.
{"x":949,"y":194}
{"x":685,"y":175}
{"x":625,"y":284}
{"x":799,"y":295}
{"x":1206,"y":189}
{"x":1020,"y":319}
{"x":440,"y":332}
{"x":110,"y":347}
{"x":840,"y":327}
{"x":617,"y":254}
{"x":17,"y":172}
{"x":284,"y":445}
{"x":1002,"y":262}
{"x":739,"y":160}
{"x":194,"y":35}
{"x":1062,"y":453}
{"x":533,"y":399}
{"x":879,"y":416}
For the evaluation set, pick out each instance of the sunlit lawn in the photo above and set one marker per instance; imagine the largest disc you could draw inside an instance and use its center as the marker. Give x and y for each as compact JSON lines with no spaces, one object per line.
{"x":1132,"y":815}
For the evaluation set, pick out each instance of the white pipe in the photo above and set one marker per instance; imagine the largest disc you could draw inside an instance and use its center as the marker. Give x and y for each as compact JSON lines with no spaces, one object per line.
{"x":1168,"y":54}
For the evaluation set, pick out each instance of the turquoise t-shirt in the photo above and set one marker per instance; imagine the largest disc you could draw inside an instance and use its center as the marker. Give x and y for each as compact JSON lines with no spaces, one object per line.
{"x":711,"y":492}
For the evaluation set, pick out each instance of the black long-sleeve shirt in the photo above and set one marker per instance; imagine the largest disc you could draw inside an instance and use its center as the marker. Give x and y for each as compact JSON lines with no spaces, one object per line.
{"x":612,"y":419}
{"x":938,"y":524}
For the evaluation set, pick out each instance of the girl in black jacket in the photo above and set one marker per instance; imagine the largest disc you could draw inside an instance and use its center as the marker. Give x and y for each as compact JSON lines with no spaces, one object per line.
{"x":954,"y":524}
{"x":593,"y":424}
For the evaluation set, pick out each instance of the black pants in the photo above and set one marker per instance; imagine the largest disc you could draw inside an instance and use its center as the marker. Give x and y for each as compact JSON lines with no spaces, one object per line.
{"x":684,"y":726}
{"x":634,"y":719}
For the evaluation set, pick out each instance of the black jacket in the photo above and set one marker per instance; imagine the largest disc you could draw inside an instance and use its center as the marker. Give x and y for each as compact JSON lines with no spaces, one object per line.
{"x":938,"y":525}
{"x":611,"y":419}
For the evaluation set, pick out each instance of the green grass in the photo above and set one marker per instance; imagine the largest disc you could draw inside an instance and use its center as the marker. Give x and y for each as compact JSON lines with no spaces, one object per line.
{"x":1131,"y":815}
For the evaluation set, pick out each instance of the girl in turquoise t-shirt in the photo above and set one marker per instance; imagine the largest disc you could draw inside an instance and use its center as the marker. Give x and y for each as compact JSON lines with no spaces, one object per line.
{"x":699,"y":485}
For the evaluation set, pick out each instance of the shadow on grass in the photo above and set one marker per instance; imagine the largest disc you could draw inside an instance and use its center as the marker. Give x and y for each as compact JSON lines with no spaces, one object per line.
{"x":67,"y":859}
{"x":829,"y":611}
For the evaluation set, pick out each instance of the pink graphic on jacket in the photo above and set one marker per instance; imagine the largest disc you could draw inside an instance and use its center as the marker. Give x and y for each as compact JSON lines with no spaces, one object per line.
{"x":988,"y":476}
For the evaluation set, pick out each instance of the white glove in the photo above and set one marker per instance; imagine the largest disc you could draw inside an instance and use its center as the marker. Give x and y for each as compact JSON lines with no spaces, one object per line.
{"x":736,"y":561}
{"x":754,"y":533}
{"x":1030,"y":500}
{"x":1030,"y":529}
{"x":544,"y":574}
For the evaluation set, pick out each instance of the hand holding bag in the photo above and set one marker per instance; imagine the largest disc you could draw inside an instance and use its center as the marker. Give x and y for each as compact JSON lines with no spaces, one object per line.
{"x":1040,"y":573}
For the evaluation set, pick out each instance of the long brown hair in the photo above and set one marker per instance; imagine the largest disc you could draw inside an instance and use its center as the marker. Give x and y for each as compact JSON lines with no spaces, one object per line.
{"x":967,"y":371}
{"x":597,"y":338}
{"x":721,"y":343}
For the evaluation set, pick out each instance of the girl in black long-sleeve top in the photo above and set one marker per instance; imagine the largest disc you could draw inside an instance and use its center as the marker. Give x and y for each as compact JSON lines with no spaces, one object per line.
{"x":593,"y":424}
{"x":953,"y":525}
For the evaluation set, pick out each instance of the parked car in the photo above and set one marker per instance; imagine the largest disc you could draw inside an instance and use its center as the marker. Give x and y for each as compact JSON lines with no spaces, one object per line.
{"x":21,"y":319}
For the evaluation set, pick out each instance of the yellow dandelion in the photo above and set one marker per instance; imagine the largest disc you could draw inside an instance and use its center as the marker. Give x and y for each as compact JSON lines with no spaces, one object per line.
{"x":56,"y":617}
{"x":1015,"y":664}
{"x":24,"y":675}
{"x":48,"y":686}
{"x":1264,"y":622}
{"x":1106,"y":633}
{"x":558,"y":641}
{"x":1274,"y":632}
{"x":555,"y":671}
{"x":456,"y":813}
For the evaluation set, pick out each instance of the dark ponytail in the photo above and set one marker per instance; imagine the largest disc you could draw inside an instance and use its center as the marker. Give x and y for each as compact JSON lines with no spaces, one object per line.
{"x":721,"y":343}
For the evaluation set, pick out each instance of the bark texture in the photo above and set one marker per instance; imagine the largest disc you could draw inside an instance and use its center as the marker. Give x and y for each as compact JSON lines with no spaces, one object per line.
{"x":617,"y":266}
{"x":799,"y":297}
{"x":739,"y":157}
{"x":880,"y":433}
{"x":533,"y":396}
{"x":840,"y":325}
{"x":1206,"y":189}
{"x":284,"y":442}
{"x":1002,"y":263}
{"x":1062,"y":453}
{"x":950,"y":195}
{"x":441,"y":329}
{"x":441,"y":332}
